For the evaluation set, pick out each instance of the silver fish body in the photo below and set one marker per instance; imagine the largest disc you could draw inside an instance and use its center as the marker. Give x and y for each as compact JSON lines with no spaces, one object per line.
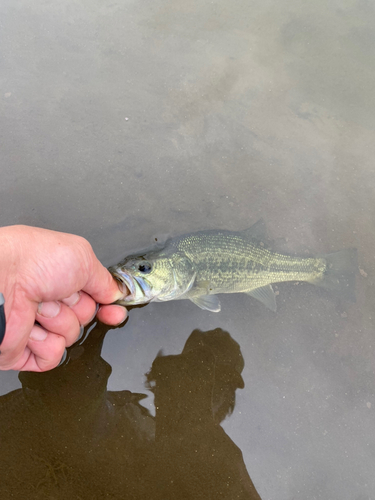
{"x":198,"y":266}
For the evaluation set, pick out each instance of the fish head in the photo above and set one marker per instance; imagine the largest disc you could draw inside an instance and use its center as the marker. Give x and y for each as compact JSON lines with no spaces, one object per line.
{"x":152,"y":277}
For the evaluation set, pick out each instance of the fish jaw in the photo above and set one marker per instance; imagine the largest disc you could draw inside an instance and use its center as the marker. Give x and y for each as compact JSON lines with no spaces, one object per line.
{"x":140,"y":290}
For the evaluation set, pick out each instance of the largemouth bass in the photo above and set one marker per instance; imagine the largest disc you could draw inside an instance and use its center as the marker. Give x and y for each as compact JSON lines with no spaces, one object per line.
{"x":198,"y":266}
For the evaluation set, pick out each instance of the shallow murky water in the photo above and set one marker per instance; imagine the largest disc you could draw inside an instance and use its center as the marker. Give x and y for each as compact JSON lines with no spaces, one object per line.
{"x":126,"y":120}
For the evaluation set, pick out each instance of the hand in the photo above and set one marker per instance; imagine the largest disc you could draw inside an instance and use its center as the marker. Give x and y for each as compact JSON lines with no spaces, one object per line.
{"x":55,"y":279}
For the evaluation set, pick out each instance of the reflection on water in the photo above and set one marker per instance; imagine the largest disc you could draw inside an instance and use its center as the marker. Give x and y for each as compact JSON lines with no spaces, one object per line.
{"x":194,"y":391}
{"x":63,"y":435}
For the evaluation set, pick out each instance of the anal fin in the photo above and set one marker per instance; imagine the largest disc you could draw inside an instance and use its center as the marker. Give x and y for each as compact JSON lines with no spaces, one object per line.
{"x":266,"y":295}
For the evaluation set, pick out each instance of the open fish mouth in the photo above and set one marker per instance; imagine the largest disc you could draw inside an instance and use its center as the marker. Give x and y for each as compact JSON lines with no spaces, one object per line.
{"x":139,"y":289}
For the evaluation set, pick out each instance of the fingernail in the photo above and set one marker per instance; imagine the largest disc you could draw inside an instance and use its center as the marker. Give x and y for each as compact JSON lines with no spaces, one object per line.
{"x":123,"y":311}
{"x":123,"y":318}
{"x":38,"y":334}
{"x":72,"y":300}
{"x":49,"y":309}
{"x":123,"y":291}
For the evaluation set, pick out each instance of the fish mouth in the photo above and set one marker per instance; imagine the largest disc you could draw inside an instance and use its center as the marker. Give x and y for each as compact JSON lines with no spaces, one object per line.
{"x":139,"y":289}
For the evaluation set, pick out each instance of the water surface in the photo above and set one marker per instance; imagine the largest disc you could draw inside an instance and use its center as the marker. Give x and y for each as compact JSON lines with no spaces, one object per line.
{"x":125,"y":120}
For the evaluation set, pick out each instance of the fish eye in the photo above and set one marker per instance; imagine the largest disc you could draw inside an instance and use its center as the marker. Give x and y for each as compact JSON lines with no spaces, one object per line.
{"x":145,"y":267}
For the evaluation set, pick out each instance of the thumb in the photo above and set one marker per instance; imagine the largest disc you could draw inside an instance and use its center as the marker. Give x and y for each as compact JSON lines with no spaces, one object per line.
{"x":102,"y":286}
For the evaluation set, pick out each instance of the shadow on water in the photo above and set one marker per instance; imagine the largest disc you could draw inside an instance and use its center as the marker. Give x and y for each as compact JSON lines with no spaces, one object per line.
{"x":63,"y":435}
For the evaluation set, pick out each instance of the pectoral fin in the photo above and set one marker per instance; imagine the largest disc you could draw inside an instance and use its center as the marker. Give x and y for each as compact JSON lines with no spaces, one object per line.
{"x":207,"y":302}
{"x":266,"y":295}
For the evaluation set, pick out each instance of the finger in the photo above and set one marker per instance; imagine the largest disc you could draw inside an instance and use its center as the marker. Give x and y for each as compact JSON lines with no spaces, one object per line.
{"x":46,"y":350}
{"x":102,"y":286}
{"x":58,"y":318}
{"x":83,"y":306}
{"x":112,"y":315}
{"x":43,"y":352}
{"x":21,"y":362}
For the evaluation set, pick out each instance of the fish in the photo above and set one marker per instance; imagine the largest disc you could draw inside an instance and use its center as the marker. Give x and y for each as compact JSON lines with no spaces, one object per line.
{"x":200,"y":265}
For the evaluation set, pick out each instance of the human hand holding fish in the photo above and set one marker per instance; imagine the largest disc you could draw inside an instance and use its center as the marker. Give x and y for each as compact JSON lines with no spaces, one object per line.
{"x":52,"y":283}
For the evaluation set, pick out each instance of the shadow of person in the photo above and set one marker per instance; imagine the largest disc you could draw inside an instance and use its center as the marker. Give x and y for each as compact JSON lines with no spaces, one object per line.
{"x":63,"y":436}
{"x":194,"y":391}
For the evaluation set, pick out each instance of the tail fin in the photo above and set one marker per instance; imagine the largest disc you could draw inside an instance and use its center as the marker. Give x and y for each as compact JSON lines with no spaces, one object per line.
{"x":340,"y":273}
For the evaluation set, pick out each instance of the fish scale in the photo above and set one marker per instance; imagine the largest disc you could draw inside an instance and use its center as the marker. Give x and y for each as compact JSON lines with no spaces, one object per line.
{"x":227,"y":260}
{"x":197,"y":266}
